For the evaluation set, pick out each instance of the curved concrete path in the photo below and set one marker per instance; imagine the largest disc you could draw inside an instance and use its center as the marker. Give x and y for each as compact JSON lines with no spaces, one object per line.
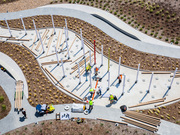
{"x":14,"y":70}
{"x":148,"y":44}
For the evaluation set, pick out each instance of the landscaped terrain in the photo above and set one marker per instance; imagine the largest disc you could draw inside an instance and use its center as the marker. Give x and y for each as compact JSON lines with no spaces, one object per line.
{"x":92,"y":127}
{"x":159,"y":19}
{"x":170,"y":112}
{"x":41,"y":90}
{"x":129,"y":57}
{"x":5,"y":105}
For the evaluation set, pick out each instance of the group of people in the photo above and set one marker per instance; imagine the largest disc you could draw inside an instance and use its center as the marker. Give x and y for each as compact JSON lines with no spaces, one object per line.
{"x":112,"y":98}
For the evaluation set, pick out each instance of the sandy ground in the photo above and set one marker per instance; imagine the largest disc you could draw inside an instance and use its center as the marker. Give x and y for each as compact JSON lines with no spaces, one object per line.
{"x":22,"y":5}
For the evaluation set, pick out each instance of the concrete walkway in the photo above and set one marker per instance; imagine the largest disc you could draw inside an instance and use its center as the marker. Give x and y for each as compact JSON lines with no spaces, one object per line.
{"x":14,"y":69}
{"x":150,"y":45}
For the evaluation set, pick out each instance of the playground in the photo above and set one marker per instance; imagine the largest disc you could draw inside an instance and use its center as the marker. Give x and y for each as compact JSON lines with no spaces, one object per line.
{"x":56,"y":61}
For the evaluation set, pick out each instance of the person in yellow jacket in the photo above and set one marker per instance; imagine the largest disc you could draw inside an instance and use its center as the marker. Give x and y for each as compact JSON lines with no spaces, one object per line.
{"x":88,"y":67}
{"x":91,"y":91}
{"x":90,"y":104}
{"x":111,"y":98}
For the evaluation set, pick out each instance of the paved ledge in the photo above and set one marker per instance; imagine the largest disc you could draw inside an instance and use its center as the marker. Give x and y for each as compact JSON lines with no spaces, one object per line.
{"x":154,"y":47}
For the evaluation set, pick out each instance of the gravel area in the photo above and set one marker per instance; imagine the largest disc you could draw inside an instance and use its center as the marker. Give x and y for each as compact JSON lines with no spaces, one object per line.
{"x":22,"y":5}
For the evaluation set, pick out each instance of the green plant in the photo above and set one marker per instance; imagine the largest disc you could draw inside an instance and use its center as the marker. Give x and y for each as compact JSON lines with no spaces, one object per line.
{"x":115,"y":13}
{"x":160,"y":37}
{"x":157,"y":13}
{"x":124,"y":19}
{"x":129,"y":22}
{"x":172,"y":40}
{"x":1,"y":99}
{"x":140,"y":29}
{"x":90,"y":129}
{"x":3,"y":107}
{"x":151,"y":10}
{"x":176,"y":42}
{"x":146,"y":31}
{"x":166,"y":39}
{"x":102,"y":124}
{"x":168,"y":17}
{"x":107,"y":132}
{"x":25,"y":128}
{"x":152,"y":33}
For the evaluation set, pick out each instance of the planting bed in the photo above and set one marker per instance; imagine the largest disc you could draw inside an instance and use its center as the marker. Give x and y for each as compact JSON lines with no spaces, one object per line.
{"x":129,"y":57}
{"x":159,"y":19}
{"x":6,"y":1}
{"x":4,"y":113}
{"x":41,"y":90}
{"x":170,"y":113}
{"x":94,"y":127}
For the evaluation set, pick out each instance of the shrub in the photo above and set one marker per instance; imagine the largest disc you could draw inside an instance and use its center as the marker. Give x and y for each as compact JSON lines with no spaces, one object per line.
{"x":172,"y":40}
{"x":157,"y":13}
{"x":146,"y":31}
{"x":129,"y":22}
{"x":3,"y":107}
{"x":115,"y":13}
{"x":151,"y":10}
{"x":166,"y":39}
{"x":168,"y":17}
{"x":160,"y":37}
{"x":140,"y":29}
{"x":176,"y":42}
{"x":124,"y":19}
{"x":152,"y":33}
{"x":1,"y":99}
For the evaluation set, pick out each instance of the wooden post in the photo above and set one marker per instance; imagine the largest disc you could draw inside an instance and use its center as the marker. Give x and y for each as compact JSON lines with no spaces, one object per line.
{"x":82,"y":43}
{"x":90,"y":79}
{"x":53,"y":24}
{"x":56,"y":55}
{"x":41,"y":42}
{"x":94,"y":52}
{"x":102,"y":55}
{"x":8,"y":27}
{"x":66,"y":30}
{"x":173,"y":78}
{"x":108,"y":59}
{"x":89,"y":56}
{"x":150,"y":82}
{"x":67,"y":45}
{"x":23,"y":25}
{"x":137,"y":73}
{"x":79,"y":74}
{"x":108,"y":80}
{"x":123,"y":84}
{"x":62,"y":68}
{"x":119,"y":66}
{"x":35,"y":30}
